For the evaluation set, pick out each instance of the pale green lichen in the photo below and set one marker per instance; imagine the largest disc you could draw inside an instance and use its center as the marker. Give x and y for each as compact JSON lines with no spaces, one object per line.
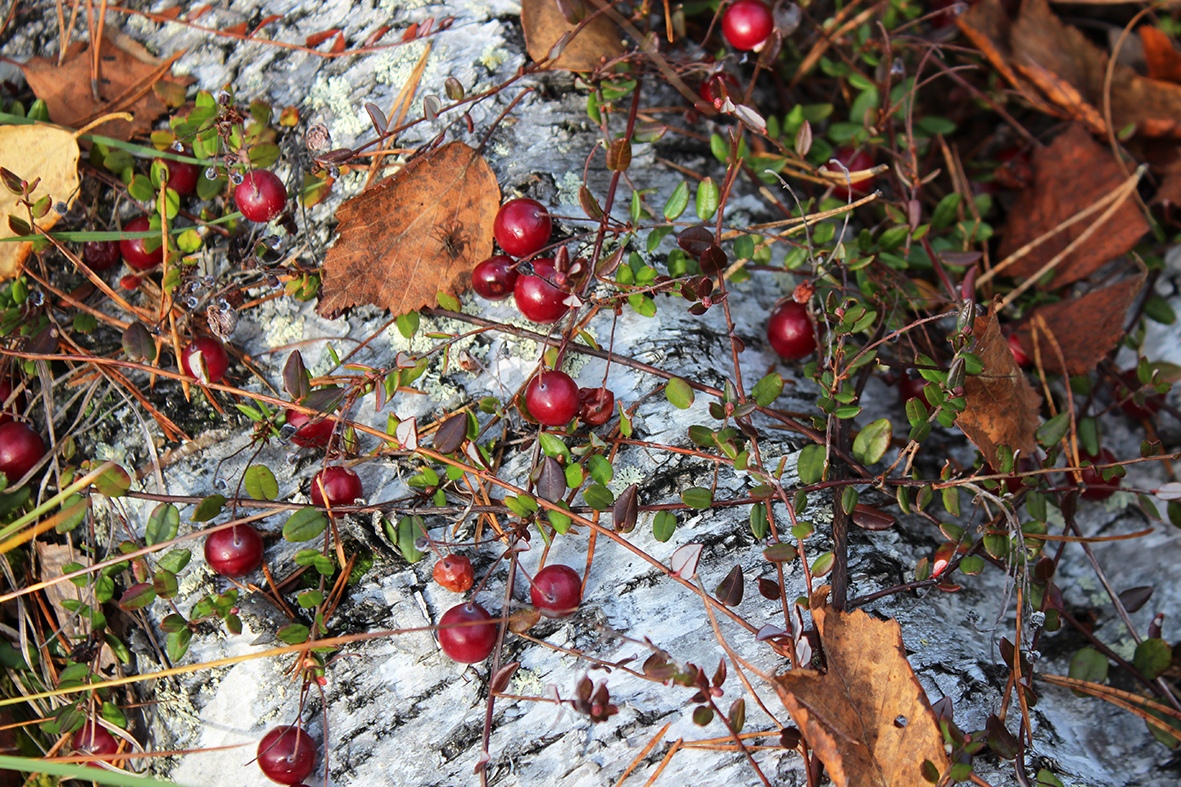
{"x":625,"y":477}
{"x":495,"y":55}
{"x":334,"y":93}
{"x":280,"y":322}
{"x":396,"y":66}
{"x":568,"y":188}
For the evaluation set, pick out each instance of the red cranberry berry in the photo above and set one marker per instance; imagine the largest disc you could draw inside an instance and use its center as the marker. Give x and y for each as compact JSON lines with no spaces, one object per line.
{"x":747,"y":23}
{"x":556,"y":591}
{"x":341,"y":486}
{"x":20,"y":450}
{"x":522,"y":227}
{"x":494,"y":278}
{"x":310,"y":432}
{"x":854,"y":161}
{"x":595,"y":405}
{"x":714,"y":89}
{"x":205,"y":358}
{"x":182,"y":176}
{"x":467,"y":633}
{"x":287,"y":755}
{"x":101,"y":254}
{"x":536,"y":298}
{"x":791,"y":332}
{"x":552,"y":398}
{"x":1094,"y":487}
{"x":93,"y":739}
{"x":911,"y":387}
{"x":234,"y":552}
{"x":455,"y":573}
{"x":1019,"y":354}
{"x":135,"y":250}
{"x":260,"y":196}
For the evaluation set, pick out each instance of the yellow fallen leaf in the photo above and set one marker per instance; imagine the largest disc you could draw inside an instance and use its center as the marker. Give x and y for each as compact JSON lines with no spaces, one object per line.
{"x":32,"y":152}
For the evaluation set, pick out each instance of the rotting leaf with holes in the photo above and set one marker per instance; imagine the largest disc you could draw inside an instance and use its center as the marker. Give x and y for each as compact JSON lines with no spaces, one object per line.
{"x":128,"y":74}
{"x":1086,"y":328}
{"x":414,"y":235}
{"x":33,"y":152}
{"x":1002,"y":407}
{"x":1070,"y":175}
{"x":544,"y":25}
{"x":848,"y":714}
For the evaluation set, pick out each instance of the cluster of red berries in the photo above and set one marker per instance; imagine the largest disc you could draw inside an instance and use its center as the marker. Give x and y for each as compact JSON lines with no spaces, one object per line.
{"x":468,"y":633}
{"x":522,"y":227}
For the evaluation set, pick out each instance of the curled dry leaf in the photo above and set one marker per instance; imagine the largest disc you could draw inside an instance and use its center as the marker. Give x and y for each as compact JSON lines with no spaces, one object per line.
{"x":1086,"y":328}
{"x":544,"y":24}
{"x":32,"y":152}
{"x":128,"y":73}
{"x":1070,"y":175}
{"x":1162,"y":58}
{"x":1059,"y":70}
{"x":414,"y":235}
{"x":1001,"y":407}
{"x":851,"y":714}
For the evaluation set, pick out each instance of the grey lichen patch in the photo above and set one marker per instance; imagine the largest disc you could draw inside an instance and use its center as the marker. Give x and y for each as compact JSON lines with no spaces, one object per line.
{"x":395,"y":67}
{"x":280,"y":321}
{"x":568,"y":186}
{"x":334,"y":94}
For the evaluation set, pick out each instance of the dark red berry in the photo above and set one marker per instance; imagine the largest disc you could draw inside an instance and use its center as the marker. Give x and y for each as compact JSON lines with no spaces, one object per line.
{"x":287,"y":755}
{"x":101,"y":254}
{"x":552,"y":398}
{"x":522,"y":227}
{"x":93,"y":739}
{"x":1019,"y":354}
{"x":747,"y":23}
{"x":854,"y":161}
{"x":309,"y":432}
{"x":595,"y":405}
{"x":494,"y":278}
{"x":536,"y":298}
{"x":182,"y":176}
{"x":1094,"y":486}
{"x":556,"y":591}
{"x":129,"y":282}
{"x":467,"y":633}
{"x":234,"y":552}
{"x":455,"y":573}
{"x":911,"y":387}
{"x":791,"y":332}
{"x":341,"y":486}
{"x":717,"y":87}
{"x":205,"y":358}
{"x":20,"y":450}
{"x":135,"y":251}
{"x":260,"y":196}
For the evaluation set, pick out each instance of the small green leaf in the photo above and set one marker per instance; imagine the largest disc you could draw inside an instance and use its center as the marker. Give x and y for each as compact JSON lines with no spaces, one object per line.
{"x":260,"y":483}
{"x":177,"y":644}
{"x":810,"y":464}
{"x":1090,"y":665}
{"x":208,"y":508}
{"x":679,"y":394}
{"x":663,"y":525}
{"x":113,"y":482}
{"x":293,"y":634}
{"x":137,"y":596}
{"x":759,"y":526}
{"x":163,"y":523}
{"x":677,"y":202}
{"x":600,"y":469}
{"x":175,"y":560}
{"x":872,"y":442}
{"x":1052,"y":431}
{"x":708,"y":196}
{"x":1153,"y":657}
{"x":408,"y":324}
{"x":305,"y":524}
{"x":697,"y":497}
{"x":768,"y":389}
{"x":409,"y":530}
{"x":598,"y":497}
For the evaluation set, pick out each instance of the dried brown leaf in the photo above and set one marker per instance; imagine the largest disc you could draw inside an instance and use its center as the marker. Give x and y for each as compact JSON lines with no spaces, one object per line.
{"x":1164,"y":61}
{"x":32,"y":152}
{"x":544,"y":24}
{"x":414,"y":235}
{"x":1002,"y":408}
{"x":867,"y":718}
{"x":127,"y":74}
{"x":1086,"y":328}
{"x":1069,"y":175}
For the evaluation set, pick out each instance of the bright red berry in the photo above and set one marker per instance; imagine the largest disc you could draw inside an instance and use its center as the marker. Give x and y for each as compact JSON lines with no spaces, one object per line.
{"x":494,"y":278}
{"x":536,"y":298}
{"x":552,"y":398}
{"x":854,"y":161}
{"x":341,"y":486}
{"x":467,"y":633}
{"x":93,"y":739}
{"x":791,"y":332}
{"x":234,"y":552}
{"x":206,"y":359}
{"x":260,"y":196}
{"x":522,"y":227}
{"x":135,"y":251}
{"x":287,"y":755}
{"x":129,"y":282}
{"x":310,"y":432}
{"x":1094,"y":486}
{"x":20,"y":450}
{"x":1019,"y":354}
{"x":455,"y":573}
{"x":747,"y":23}
{"x":182,"y":176}
{"x":101,"y":254}
{"x":556,"y":591}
